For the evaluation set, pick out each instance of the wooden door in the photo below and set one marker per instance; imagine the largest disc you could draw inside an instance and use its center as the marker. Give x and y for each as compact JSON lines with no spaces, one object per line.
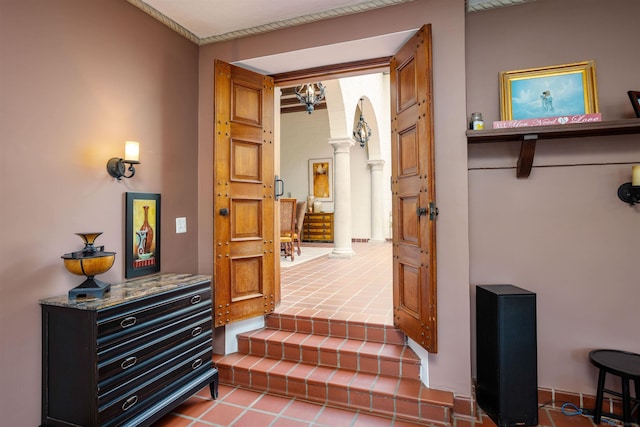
{"x":244,"y":238}
{"x":413,"y":199}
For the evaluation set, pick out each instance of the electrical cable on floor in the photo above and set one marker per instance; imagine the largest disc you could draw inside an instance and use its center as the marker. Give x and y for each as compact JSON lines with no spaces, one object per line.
{"x":569,"y":409}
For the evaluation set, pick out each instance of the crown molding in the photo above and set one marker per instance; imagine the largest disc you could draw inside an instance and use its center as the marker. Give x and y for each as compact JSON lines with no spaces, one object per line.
{"x":471,"y":6}
{"x":478,"y":5}
{"x":333,"y":13}
{"x":306,"y":19}
{"x":154,"y":13}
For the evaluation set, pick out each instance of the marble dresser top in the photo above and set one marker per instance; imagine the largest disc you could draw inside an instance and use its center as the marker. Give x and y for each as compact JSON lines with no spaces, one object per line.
{"x":130,"y":290}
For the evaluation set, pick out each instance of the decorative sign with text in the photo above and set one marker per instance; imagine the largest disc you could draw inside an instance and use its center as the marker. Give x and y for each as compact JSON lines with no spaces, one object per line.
{"x":546,"y":121}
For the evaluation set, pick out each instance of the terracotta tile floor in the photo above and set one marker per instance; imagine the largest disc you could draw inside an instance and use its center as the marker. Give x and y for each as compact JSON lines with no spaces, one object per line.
{"x":236,"y":407}
{"x":359,"y":288}
{"x":354,"y":289}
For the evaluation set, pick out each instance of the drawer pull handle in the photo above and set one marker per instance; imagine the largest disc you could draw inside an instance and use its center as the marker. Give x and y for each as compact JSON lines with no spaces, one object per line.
{"x":196,"y":299}
{"x":128,"y":362}
{"x":196,"y":364}
{"x":196,"y":331}
{"x":128,"y":321}
{"x":128,"y":404}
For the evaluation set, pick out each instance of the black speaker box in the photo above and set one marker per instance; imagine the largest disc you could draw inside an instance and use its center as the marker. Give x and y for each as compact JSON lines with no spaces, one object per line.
{"x":507,"y":361}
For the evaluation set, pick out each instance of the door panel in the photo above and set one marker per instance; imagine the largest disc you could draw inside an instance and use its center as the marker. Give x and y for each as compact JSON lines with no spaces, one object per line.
{"x":246,"y":104}
{"x":413,"y":188}
{"x":408,"y":152}
{"x":244,"y":237}
{"x":246,"y":220}
{"x":406,"y":77}
{"x":246,"y":160}
{"x":243,"y":273}
{"x":408,"y":233}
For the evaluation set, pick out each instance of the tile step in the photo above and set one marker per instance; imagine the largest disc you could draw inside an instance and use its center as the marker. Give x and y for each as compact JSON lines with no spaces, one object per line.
{"x":332,"y":352}
{"x":336,"y":328}
{"x":404,"y":398}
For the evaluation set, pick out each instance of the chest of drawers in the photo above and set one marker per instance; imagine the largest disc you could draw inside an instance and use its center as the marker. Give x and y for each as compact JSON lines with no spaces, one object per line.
{"x":317,"y":227}
{"x":130,"y":358}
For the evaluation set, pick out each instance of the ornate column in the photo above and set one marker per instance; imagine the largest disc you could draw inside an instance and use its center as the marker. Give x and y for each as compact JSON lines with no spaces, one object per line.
{"x":342,"y":198}
{"x":377,"y":218}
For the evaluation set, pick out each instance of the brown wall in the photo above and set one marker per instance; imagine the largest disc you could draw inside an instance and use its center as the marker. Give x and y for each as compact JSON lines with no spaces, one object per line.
{"x":449,"y":369}
{"x":77,"y":79}
{"x":562,"y":233}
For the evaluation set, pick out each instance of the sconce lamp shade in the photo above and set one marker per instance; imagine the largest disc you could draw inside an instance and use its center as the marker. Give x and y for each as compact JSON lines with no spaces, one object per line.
{"x":635,"y":176}
{"x":116,"y":165}
{"x":131,"y":151}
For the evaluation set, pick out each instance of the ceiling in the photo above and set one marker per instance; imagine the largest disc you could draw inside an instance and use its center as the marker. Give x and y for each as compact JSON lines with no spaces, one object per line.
{"x":210,"y":21}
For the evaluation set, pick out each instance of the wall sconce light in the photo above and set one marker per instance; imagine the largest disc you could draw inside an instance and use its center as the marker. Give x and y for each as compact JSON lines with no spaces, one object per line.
{"x":629,"y":192}
{"x":116,"y":166}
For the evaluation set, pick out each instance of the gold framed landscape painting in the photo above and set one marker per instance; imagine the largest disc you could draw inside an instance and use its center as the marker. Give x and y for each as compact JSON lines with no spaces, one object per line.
{"x":558,"y":90}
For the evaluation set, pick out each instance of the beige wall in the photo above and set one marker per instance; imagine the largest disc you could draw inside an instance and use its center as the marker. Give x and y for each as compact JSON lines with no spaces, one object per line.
{"x":562,"y":233}
{"x":449,"y":369}
{"x":77,"y":79}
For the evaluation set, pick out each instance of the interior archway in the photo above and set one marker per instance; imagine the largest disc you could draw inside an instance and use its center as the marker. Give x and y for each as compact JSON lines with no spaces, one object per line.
{"x":305,"y":136}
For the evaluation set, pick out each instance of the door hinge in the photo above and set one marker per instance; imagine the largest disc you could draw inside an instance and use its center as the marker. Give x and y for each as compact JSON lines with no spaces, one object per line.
{"x":433,"y":211}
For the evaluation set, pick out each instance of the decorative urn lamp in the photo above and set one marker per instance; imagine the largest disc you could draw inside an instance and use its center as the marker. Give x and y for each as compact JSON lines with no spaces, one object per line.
{"x":89,"y":262}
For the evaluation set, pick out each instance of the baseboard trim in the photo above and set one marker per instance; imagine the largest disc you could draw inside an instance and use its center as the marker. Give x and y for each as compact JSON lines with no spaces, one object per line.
{"x":467,"y":407}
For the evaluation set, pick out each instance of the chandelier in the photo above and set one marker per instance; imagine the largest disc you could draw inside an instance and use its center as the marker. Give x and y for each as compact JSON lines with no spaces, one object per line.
{"x":308,"y":96}
{"x":362,"y":131}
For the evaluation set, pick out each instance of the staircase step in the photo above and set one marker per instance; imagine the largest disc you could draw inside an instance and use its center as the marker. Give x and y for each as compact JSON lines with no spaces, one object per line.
{"x":336,"y":328}
{"x":347,"y":364}
{"x":364,"y":356}
{"x":400,"y":397}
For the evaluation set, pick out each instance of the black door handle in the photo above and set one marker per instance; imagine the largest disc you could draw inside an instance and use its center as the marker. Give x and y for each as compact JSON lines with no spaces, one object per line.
{"x":421,"y":211}
{"x":281,"y":182}
{"x":224,"y":212}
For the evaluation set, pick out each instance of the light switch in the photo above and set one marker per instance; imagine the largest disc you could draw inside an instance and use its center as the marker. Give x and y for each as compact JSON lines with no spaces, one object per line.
{"x":181,"y":225}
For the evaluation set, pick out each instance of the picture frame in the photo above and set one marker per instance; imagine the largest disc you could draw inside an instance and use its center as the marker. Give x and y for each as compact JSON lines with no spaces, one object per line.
{"x":558,"y":90}
{"x":142,"y":234}
{"x":321,"y":179}
{"x":634,"y":96}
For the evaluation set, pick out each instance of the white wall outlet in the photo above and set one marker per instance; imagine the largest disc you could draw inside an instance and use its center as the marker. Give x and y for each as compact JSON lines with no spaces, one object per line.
{"x":181,"y":225}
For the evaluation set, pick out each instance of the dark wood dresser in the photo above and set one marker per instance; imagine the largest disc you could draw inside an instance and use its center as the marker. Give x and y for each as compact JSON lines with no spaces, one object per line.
{"x":130,"y":358}
{"x":317,"y":227}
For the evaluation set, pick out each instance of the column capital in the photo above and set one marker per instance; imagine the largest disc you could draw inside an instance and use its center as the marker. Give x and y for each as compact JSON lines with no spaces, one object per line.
{"x":376,"y":164}
{"x":341,"y":145}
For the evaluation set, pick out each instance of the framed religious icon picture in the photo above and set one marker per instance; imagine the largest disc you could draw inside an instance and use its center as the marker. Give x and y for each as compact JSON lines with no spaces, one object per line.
{"x":142,"y":234}
{"x":321,"y":179}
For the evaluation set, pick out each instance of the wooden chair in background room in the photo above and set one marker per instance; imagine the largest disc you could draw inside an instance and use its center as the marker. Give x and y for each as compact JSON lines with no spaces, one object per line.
{"x":301,"y":208}
{"x":287,"y":226}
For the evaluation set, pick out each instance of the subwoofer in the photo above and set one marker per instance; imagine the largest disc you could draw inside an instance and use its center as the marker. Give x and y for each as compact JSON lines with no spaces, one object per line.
{"x":507,"y":374}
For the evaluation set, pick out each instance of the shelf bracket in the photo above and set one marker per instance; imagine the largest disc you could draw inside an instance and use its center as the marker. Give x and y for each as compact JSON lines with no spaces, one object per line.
{"x":527,"y":151}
